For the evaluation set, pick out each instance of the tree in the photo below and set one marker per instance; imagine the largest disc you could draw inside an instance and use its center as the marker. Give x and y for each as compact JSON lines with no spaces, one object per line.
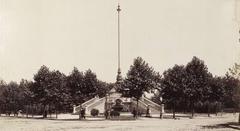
{"x":236,"y":97}
{"x":26,"y":86}
{"x":235,"y":71}
{"x":197,"y":80}
{"x":49,"y":89}
{"x":140,"y":79}
{"x":173,"y":84}
{"x":41,"y":88}
{"x":12,"y":97}
{"x":57,"y":90}
{"x":214,"y":92}
{"x":229,"y":87}
{"x":102,"y":88}
{"x":75,"y":83}
{"x":90,"y":85}
{"x":233,"y":86}
{"x":2,"y":98}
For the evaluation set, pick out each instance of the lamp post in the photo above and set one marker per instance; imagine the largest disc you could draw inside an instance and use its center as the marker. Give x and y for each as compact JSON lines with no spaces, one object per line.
{"x":161,"y":111}
{"x":106,"y":99}
{"x":106,"y":113}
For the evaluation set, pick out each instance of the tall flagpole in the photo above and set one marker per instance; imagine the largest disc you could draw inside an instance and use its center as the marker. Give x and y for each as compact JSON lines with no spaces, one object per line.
{"x":119,"y":77}
{"x":118,"y":9}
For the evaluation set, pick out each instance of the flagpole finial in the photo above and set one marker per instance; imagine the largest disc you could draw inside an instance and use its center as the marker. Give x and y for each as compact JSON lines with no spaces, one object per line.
{"x":118,"y":9}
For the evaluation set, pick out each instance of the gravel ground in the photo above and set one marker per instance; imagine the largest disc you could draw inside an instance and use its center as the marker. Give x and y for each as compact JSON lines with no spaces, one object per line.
{"x":67,"y":122}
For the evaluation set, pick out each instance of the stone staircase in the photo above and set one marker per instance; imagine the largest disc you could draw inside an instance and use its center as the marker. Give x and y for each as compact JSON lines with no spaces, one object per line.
{"x":99,"y":103}
{"x":90,"y":104}
{"x":144,"y":102}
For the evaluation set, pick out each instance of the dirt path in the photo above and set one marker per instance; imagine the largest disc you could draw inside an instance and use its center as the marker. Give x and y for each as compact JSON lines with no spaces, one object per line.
{"x":223,"y":123}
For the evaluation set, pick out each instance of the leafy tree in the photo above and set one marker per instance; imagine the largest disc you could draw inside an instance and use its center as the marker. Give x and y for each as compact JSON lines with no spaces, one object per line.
{"x":214,"y":92}
{"x":49,"y":89}
{"x":75,"y":83}
{"x":233,"y":87}
{"x":3,"y":103}
{"x":90,"y":85}
{"x":25,"y":87}
{"x":140,"y":79}
{"x":12,"y":97}
{"x":229,"y":87}
{"x":157,"y":82}
{"x":102,"y":88}
{"x":42,"y":85}
{"x":57,"y":92}
{"x":235,"y":71}
{"x":173,"y":84}
{"x":236,"y":97}
{"x":197,"y":80}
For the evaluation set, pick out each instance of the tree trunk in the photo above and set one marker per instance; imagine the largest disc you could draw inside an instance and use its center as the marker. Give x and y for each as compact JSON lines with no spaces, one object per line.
{"x":174,"y":110}
{"x":27,"y":111}
{"x":239,"y":117}
{"x":56,"y":114}
{"x":56,"y":111}
{"x":192,"y":105}
{"x":14,"y":109}
{"x":44,"y":112}
{"x":5,"y":109}
{"x":1,"y":109}
{"x":216,"y":108}
{"x":32,"y":107}
{"x":208,"y":109}
{"x":185,"y":106}
{"x":50,"y":110}
{"x":184,"y":109}
{"x":137,"y":109}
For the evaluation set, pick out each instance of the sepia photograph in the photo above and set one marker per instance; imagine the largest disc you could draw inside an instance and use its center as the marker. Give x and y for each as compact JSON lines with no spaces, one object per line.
{"x":119,"y":65}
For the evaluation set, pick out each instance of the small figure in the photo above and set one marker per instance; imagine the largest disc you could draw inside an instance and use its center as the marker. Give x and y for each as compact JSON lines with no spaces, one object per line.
{"x":45,"y":114}
{"x":111,"y":113}
{"x":80,"y":112}
{"x":148,"y":112}
{"x":107,"y":114}
{"x":83,"y":113}
{"x":161,"y":114}
{"x":19,"y":112}
{"x":134,"y":112}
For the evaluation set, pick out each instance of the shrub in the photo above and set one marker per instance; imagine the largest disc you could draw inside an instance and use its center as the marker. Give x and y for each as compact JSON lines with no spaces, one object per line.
{"x":94,"y":112}
{"x":114,"y":113}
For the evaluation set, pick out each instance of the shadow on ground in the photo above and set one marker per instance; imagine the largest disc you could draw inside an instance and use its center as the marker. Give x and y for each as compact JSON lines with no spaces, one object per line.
{"x":74,"y":119}
{"x":229,"y":125}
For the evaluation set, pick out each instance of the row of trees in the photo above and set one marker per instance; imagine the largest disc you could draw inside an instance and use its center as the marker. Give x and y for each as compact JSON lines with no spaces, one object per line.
{"x":50,"y":90}
{"x":184,"y":87}
{"x":181,"y":87}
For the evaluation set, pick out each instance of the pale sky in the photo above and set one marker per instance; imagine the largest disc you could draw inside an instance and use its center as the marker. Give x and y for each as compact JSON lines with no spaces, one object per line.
{"x":62,"y":34}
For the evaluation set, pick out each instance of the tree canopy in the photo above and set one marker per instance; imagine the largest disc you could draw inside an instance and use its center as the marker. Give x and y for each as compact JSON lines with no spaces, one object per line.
{"x":182,"y":87}
{"x":140,"y":78}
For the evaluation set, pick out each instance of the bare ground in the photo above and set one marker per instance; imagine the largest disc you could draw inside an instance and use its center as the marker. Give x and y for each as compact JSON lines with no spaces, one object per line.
{"x":67,"y":122}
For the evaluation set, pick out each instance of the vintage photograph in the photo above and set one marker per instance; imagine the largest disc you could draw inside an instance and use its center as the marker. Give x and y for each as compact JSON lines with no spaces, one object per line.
{"x":119,"y":65}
